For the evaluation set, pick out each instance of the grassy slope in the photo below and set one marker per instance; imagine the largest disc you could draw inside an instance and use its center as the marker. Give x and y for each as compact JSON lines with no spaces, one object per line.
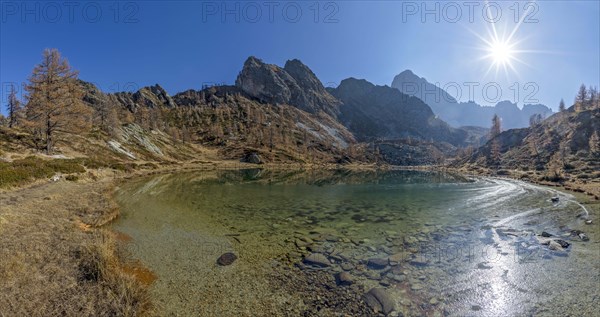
{"x":53,"y":264}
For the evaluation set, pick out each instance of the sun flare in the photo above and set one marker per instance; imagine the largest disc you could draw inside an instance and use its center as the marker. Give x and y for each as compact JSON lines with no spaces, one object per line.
{"x":501,"y":52}
{"x":502,"y":48}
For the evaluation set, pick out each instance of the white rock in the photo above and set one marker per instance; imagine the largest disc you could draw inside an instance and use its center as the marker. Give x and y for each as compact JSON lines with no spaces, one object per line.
{"x":555,"y":246}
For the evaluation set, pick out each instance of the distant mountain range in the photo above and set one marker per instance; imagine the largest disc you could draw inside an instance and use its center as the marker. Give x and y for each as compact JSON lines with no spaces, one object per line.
{"x":380,"y":112}
{"x":285,"y":113}
{"x":470,"y":113}
{"x":368,"y":111}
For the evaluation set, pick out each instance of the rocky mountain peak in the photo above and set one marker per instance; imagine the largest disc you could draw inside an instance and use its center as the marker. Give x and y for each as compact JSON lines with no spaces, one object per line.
{"x":268,"y":83}
{"x":153,"y":96}
{"x":407,"y":73}
{"x":352,"y":86}
{"x":305,"y":78}
{"x":295,"y":84}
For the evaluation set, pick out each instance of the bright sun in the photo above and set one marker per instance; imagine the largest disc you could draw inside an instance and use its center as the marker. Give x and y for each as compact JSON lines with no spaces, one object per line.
{"x":502,"y":49}
{"x":501,"y":53}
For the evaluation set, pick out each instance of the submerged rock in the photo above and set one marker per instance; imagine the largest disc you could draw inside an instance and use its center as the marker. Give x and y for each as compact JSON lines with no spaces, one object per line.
{"x":317,"y":259}
{"x":419,"y":262}
{"x":372,"y":275}
{"x":344,"y":278}
{"x":546,"y":234}
{"x":543,"y":241}
{"x":347,"y":266}
{"x":555,"y":246}
{"x":226,"y":259}
{"x":377,"y":263}
{"x":580,"y":234}
{"x":379,"y":300}
{"x":395,"y":259}
{"x":396,"y":277}
{"x":484,"y":266}
{"x":563,"y":243}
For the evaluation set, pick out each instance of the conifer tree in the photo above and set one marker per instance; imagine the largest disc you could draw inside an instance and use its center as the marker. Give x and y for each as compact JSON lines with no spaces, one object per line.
{"x":561,"y":106}
{"x":55,"y":100}
{"x":14,"y":108}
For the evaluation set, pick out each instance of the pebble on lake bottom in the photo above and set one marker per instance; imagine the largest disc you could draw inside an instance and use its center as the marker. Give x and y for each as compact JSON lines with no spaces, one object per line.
{"x":226,"y":259}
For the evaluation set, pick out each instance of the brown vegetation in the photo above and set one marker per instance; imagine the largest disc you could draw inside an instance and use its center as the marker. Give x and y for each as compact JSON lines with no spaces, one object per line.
{"x":49,"y":266}
{"x":54,"y":100}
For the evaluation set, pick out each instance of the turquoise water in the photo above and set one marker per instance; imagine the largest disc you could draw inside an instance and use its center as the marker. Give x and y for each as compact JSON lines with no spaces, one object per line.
{"x":461,"y":245}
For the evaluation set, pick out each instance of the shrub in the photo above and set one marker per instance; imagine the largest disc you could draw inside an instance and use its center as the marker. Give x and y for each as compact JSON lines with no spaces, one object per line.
{"x":554,"y":177}
{"x":30,"y":168}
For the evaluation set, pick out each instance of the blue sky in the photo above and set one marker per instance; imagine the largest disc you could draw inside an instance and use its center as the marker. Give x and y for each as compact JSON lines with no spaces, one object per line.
{"x":185,"y":44}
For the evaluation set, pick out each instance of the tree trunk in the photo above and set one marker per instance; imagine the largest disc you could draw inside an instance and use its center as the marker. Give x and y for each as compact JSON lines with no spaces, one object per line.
{"x":48,"y":137}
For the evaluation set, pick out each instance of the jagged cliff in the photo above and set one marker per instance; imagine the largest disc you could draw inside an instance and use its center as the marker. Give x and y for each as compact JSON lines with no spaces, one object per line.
{"x":295,"y":85}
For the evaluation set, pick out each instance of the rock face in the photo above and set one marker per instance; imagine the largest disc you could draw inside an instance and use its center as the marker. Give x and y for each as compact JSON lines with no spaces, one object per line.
{"x":226,"y":259}
{"x":469,"y":113}
{"x":379,"y":301}
{"x":252,"y":158}
{"x":380,"y":112}
{"x":151,"y":97}
{"x":295,"y":84}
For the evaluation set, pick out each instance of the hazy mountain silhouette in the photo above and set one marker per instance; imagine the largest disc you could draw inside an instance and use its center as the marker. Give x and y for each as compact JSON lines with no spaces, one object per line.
{"x":468,"y":113}
{"x":381,"y":112}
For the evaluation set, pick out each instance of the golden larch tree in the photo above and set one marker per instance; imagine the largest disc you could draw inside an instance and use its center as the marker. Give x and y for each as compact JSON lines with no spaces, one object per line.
{"x":55,"y":102}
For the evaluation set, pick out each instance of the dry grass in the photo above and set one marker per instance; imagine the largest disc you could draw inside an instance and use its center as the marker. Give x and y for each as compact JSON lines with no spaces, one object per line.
{"x":49,"y":266}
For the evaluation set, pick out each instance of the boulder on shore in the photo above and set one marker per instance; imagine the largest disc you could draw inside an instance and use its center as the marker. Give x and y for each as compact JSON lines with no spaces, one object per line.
{"x":252,"y":158}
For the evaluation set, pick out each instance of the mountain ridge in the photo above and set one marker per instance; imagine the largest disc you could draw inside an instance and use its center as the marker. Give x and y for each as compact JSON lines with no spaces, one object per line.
{"x":468,"y":113}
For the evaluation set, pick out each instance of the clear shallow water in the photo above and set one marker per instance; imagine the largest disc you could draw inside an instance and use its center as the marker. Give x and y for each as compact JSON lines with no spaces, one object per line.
{"x":460,"y":246}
